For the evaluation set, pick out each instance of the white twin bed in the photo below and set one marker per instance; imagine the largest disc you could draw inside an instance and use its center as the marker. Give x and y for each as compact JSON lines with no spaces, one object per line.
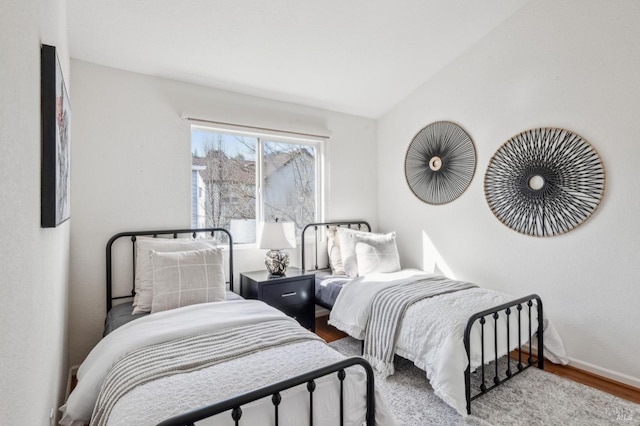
{"x":198,"y":358}
{"x":448,"y":333}
{"x":431,"y":333}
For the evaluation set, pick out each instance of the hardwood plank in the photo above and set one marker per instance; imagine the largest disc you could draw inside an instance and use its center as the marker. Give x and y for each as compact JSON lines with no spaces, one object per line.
{"x":604,"y":384}
{"x":327,"y":332}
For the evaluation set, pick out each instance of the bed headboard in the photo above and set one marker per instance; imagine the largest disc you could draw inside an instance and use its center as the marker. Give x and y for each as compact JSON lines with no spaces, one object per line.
{"x":318,"y":234}
{"x":132,"y":235}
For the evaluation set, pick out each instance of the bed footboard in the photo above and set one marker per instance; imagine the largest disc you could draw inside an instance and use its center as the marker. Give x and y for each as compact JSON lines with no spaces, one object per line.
{"x":234,"y":405}
{"x":513,"y":311}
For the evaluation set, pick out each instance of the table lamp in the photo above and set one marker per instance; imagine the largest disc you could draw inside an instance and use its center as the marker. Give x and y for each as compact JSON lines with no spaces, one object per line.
{"x":277,"y":236}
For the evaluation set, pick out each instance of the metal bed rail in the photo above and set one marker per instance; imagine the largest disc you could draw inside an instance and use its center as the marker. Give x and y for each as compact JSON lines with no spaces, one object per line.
{"x":357,"y":224}
{"x":235,"y":404}
{"x":175,"y":233}
{"x":493,"y":313}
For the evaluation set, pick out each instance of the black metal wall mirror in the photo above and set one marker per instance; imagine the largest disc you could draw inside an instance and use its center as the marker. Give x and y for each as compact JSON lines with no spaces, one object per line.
{"x":544,"y":182}
{"x":440,"y":163}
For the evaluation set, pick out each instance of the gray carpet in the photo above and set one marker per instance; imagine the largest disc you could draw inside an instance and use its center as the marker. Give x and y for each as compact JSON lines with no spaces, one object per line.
{"x":535,"y":397}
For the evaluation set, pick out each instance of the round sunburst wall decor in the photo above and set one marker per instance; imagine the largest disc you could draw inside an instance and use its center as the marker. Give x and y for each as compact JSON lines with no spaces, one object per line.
{"x":440,"y":163}
{"x":544,"y":182}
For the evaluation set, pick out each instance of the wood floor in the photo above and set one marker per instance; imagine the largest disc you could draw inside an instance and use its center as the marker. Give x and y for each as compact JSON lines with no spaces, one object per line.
{"x":621,"y":390}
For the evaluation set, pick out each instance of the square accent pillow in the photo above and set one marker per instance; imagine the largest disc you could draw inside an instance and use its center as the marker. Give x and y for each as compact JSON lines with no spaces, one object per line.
{"x":348,"y":249}
{"x":144,"y":270}
{"x":187,"y":277}
{"x":333,"y":250}
{"x":377,"y":254}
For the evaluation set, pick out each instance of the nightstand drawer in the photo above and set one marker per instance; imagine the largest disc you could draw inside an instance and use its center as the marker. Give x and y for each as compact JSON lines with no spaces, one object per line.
{"x":287,"y":293}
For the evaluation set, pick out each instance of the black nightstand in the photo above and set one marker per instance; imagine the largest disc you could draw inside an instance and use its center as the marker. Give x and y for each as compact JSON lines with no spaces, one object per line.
{"x":292,"y":293}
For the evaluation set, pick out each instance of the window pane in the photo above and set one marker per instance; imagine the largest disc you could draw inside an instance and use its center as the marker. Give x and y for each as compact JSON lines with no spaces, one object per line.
{"x":224,"y":182}
{"x":289,"y":182}
{"x":226,"y":168}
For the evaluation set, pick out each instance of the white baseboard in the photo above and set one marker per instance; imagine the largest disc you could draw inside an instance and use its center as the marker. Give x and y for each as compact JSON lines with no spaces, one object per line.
{"x":594,"y":369}
{"x":606,"y":373}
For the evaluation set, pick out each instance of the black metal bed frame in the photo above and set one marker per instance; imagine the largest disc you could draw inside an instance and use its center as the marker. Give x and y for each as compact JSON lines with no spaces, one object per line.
{"x":493,"y":313}
{"x":235,"y":404}
{"x":175,"y":233}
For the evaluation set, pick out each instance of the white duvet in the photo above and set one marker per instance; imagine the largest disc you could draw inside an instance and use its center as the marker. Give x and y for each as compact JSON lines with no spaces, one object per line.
{"x":153,"y":402}
{"x":431,"y":332}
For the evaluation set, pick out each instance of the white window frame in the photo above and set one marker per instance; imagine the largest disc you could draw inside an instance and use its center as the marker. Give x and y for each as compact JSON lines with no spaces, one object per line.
{"x":268,"y":135}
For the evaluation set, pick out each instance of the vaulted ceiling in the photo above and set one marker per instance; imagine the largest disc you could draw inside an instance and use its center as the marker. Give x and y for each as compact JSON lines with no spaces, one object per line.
{"x":354,"y":56}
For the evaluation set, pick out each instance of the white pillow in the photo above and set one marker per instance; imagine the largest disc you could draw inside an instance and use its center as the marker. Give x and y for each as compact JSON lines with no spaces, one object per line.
{"x":377,"y":254}
{"x":187,"y":277}
{"x":333,"y":249}
{"x":348,"y":249}
{"x":144,"y":270}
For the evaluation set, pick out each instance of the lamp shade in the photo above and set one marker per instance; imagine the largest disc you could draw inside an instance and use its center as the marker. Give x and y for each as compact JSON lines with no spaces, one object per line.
{"x":277,"y":235}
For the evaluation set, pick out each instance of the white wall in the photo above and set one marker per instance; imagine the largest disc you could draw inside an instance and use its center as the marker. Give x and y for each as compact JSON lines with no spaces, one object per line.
{"x":131,"y":162}
{"x":570,"y":64}
{"x":34,"y":261}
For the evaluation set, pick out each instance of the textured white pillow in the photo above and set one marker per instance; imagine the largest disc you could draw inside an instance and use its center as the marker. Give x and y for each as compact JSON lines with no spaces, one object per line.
{"x":333,"y":249}
{"x":144,"y":270}
{"x":377,"y":254}
{"x":348,"y":249}
{"x":187,"y":277}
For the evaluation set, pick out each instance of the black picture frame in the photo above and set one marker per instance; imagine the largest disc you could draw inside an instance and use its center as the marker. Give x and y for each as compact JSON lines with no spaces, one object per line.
{"x":56,"y":141}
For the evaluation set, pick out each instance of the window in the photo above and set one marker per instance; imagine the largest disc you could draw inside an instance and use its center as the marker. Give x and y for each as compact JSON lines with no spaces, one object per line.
{"x":240,"y":179}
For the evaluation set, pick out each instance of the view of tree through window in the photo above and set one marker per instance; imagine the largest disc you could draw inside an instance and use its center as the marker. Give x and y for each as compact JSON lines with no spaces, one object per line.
{"x":238,"y":180}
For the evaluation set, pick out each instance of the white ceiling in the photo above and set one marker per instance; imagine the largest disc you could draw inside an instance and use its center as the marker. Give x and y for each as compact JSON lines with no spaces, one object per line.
{"x":354,"y":56}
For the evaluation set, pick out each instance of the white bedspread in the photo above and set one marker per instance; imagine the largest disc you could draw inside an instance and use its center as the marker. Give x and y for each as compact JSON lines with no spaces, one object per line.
{"x":432,"y":330}
{"x":152,"y":402}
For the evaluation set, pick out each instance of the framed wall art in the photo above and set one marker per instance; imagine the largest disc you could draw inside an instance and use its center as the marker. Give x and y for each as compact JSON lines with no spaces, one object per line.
{"x":56,"y":132}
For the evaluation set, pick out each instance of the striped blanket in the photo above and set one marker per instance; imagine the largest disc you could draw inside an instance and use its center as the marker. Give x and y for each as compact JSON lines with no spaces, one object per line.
{"x":388,"y":308}
{"x":190,"y":354}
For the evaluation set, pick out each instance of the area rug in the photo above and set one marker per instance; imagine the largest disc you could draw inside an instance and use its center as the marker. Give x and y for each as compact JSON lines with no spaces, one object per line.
{"x":535,"y":397}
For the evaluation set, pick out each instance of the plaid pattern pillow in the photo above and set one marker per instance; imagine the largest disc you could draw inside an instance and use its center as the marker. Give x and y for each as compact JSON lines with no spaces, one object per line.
{"x":187,"y":277}
{"x":144,"y":269}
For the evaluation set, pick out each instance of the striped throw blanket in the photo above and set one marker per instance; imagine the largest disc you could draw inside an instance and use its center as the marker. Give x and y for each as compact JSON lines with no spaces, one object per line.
{"x":387,"y":309}
{"x":190,"y":354}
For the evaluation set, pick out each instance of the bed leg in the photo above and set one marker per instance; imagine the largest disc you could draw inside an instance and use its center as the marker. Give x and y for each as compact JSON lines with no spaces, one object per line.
{"x":540,"y":335}
{"x":467,"y":371}
{"x":467,"y":387}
